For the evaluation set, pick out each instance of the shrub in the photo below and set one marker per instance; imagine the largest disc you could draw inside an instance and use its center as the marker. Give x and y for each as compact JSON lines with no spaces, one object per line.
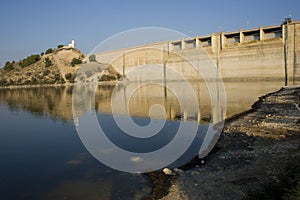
{"x":57,"y":77}
{"x":68,"y":76}
{"x":8,"y":66}
{"x":47,"y":62}
{"x":46,"y":72}
{"x":34,"y":81}
{"x":49,"y":51}
{"x":30,"y":60}
{"x":60,"y":46}
{"x":3,"y":82}
{"x":61,"y":81}
{"x":75,"y":61}
{"x":42,"y":53}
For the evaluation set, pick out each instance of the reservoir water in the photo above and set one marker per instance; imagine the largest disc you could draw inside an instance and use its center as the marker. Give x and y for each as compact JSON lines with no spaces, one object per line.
{"x":42,"y":156}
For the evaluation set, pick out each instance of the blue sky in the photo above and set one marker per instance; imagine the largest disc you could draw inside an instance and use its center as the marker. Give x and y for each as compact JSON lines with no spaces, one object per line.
{"x":31,"y":26}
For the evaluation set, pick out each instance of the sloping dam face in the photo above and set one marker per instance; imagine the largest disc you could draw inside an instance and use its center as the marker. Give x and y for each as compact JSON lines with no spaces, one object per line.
{"x":267,"y":53}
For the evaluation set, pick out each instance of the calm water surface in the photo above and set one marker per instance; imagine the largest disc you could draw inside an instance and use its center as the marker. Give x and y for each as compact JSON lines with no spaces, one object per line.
{"x":42,"y":156}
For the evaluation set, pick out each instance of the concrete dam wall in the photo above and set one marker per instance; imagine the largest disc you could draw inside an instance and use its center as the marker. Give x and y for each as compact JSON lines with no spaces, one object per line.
{"x":271,"y":52}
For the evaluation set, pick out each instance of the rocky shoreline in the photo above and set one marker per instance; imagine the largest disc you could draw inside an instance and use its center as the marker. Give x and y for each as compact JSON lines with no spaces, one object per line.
{"x":256,"y":157}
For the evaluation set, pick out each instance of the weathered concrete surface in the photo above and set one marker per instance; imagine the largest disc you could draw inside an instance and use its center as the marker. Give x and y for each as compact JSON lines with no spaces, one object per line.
{"x":245,"y":54}
{"x":253,"y":152}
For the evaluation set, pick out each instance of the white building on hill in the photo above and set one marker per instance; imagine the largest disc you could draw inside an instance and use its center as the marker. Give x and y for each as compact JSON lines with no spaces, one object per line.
{"x":72,"y":44}
{"x":69,"y":46}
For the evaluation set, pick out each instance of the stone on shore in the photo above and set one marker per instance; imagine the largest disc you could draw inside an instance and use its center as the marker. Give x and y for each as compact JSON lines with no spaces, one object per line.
{"x":168,"y":172}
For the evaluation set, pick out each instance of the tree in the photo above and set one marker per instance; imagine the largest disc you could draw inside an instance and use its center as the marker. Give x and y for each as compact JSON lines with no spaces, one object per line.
{"x":75,"y":61}
{"x":8,"y":66}
{"x":29,"y":60}
{"x":49,"y":51}
{"x":60,"y":46}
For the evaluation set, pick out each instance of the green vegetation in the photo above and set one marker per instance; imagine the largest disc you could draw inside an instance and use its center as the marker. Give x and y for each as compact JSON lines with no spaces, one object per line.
{"x":57,"y":77}
{"x":3,"y":82}
{"x":46,"y":72}
{"x":68,"y":76}
{"x":34,"y":81}
{"x":37,"y":70}
{"x":75,"y":61}
{"x":8,"y":66}
{"x":49,"y":51}
{"x":47,"y":62}
{"x":29,"y":60}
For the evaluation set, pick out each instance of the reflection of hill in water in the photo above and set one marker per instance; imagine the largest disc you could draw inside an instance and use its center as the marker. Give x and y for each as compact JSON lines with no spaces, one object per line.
{"x":53,"y":101}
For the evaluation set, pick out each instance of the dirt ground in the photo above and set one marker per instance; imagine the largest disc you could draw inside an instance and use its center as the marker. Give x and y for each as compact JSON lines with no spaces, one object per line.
{"x":250,"y":159}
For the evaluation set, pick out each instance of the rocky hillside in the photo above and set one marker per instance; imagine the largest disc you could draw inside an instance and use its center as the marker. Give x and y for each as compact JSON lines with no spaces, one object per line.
{"x":57,"y":66}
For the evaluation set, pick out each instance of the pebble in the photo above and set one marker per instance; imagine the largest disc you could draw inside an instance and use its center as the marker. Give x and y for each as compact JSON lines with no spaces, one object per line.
{"x":195,"y":173}
{"x":168,"y":171}
{"x":176,"y":170}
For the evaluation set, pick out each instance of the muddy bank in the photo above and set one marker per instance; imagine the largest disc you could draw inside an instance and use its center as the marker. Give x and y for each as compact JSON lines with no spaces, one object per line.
{"x":252,"y":157}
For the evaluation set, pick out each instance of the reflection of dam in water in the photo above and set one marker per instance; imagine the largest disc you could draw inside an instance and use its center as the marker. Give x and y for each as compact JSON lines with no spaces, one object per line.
{"x":145,"y":98}
{"x":151,"y":94}
{"x":239,"y":96}
{"x":56,"y":102}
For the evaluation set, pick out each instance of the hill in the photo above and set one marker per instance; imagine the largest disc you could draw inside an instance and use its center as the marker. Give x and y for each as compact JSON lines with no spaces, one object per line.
{"x":57,"y":66}
{"x":51,"y":68}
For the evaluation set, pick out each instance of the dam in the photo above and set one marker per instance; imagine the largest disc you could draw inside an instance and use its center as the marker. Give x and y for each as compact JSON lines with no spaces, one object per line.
{"x":266,"y":53}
